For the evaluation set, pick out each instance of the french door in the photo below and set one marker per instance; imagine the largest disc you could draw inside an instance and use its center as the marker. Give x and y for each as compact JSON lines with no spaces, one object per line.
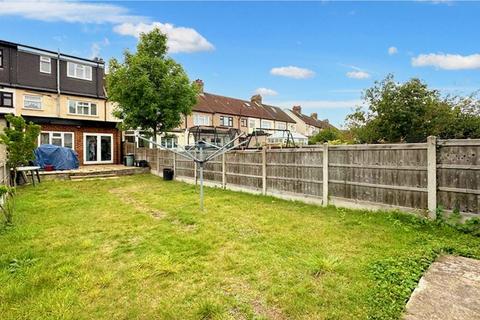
{"x":97,"y":148}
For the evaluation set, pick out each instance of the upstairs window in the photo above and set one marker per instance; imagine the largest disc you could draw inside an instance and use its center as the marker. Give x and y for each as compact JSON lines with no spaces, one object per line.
{"x":45,"y":64}
{"x":32,"y":102}
{"x":82,"y":108}
{"x":266,"y":124}
{"x":201,"y":120}
{"x":243,"y":122}
{"x":251,"y":124}
{"x":226,"y":121}
{"x":6,"y":99}
{"x":281,"y":125}
{"x":79,"y":71}
{"x":1,"y":58}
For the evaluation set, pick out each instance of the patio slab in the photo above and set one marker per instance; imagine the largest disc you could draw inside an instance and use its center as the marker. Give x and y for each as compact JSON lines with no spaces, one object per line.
{"x":450,"y":289}
{"x":93,"y":171}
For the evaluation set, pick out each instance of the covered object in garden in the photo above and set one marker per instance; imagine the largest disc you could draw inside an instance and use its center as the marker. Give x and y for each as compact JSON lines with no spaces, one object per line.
{"x":59,"y":157}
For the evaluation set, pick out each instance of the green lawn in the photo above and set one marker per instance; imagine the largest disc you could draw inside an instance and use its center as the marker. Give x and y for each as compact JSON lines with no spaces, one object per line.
{"x":138,"y":248}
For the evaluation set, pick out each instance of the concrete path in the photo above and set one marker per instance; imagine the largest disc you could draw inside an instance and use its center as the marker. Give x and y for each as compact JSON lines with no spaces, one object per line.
{"x":450,"y":289}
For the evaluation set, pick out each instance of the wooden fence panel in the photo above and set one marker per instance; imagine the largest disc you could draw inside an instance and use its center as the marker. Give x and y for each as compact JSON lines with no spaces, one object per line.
{"x":295,"y":171}
{"x":458,"y":175}
{"x":385,"y":174}
{"x":244,"y":168}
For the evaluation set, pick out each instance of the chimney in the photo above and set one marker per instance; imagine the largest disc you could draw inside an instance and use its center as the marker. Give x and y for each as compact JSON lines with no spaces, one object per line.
{"x":257,"y":99}
{"x":297,"y":109}
{"x":314,"y":115}
{"x":199,"y":84}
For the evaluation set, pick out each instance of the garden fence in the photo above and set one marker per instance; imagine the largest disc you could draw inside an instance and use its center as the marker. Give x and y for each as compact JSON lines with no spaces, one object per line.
{"x":410,"y":176}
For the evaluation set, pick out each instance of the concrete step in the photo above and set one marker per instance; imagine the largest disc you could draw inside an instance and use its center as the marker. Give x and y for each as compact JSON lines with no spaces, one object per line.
{"x":92,"y":176}
{"x":95,"y":178}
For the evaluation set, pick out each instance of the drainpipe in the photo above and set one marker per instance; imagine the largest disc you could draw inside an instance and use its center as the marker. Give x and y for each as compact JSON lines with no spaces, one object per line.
{"x":58,"y":83}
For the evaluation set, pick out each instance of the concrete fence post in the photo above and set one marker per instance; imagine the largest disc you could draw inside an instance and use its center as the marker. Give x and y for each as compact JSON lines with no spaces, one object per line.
{"x":264,"y":170}
{"x":158,"y":162}
{"x":432,"y":176}
{"x":325,"y":175}
{"x":224,"y":171}
{"x":174,"y":165}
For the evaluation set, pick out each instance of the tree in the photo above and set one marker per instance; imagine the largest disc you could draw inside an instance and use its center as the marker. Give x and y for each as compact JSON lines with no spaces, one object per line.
{"x":151,"y":90}
{"x":326,"y":135}
{"x":410,"y":112}
{"x":20,"y":139}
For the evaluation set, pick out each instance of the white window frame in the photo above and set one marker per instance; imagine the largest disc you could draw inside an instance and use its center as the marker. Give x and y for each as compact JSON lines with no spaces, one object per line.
{"x":280,"y":125}
{"x":196,"y":117}
{"x":250,"y":122}
{"x":99,"y":147}
{"x":44,"y":59}
{"x":75,"y":71}
{"x":262,"y":126}
{"x":82,"y":114}
{"x":25,"y":98}
{"x":50,"y":136}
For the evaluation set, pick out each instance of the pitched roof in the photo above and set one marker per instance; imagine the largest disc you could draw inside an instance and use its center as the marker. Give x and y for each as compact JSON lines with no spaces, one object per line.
{"x":312,"y":121}
{"x":212,"y":103}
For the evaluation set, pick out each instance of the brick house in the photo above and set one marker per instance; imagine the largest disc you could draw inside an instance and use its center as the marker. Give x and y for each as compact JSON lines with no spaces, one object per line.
{"x":65,"y":95}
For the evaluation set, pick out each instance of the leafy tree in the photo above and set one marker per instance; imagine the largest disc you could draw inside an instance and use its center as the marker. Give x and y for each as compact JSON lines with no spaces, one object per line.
{"x":150,"y":89}
{"x":20,"y":139}
{"x":325,"y":135}
{"x":410,"y":112}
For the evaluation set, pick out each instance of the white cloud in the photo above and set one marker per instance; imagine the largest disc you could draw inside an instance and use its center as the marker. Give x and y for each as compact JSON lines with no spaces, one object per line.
{"x":266,"y":92}
{"x":358,"y":74}
{"x":392,"y":51}
{"x":447,"y":61}
{"x":292,"y":72}
{"x":319,"y":104}
{"x":180,"y":39}
{"x":67,"y":11}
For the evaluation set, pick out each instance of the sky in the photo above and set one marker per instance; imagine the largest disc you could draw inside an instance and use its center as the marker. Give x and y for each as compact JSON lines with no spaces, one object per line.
{"x":320,"y":55}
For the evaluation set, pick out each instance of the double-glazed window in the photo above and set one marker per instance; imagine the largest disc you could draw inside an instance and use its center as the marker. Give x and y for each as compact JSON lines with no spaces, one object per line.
{"x":281,"y":125}
{"x":45,"y":64}
{"x":243,"y":122}
{"x":1,"y":58}
{"x":265,"y":124}
{"x":251,"y":123}
{"x":82,"y":108}
{"x":6,"y":99}
{"x":32,"y":102}
{"x":226,"y":121}
{"x":201,"y":120}
{"x":61,"y":139}
{"x":79,"y":71}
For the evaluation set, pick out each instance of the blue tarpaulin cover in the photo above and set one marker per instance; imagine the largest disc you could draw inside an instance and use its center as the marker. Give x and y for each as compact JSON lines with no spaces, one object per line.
{"x":61,"y":158}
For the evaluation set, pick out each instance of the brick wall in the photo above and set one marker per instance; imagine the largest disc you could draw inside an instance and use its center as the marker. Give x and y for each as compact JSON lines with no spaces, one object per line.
{"x":78,"y":138}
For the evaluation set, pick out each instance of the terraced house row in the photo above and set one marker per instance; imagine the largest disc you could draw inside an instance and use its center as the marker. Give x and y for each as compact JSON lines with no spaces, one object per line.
{"x":66,"y":96}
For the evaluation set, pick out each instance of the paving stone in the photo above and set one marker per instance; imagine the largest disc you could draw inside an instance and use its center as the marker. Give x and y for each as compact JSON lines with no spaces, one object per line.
{"x":450,"y":289}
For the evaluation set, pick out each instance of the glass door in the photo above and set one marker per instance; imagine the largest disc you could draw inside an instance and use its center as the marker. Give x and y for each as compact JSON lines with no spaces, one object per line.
{"x":98,"y":148}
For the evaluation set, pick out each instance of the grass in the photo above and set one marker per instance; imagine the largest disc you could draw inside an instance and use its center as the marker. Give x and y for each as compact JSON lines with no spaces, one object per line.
{"x":138,"y":248}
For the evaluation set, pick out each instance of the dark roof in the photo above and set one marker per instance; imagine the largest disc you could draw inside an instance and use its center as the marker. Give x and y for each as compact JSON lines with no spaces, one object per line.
{"x":15,"y":45}
{"x":312,"y":121}
{"x":212,"y":103}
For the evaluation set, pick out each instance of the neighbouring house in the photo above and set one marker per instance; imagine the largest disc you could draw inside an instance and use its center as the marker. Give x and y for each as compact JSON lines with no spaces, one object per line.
{"x":65,"y":95}
{"x":307,"y":125}
{"x":216,"y":111}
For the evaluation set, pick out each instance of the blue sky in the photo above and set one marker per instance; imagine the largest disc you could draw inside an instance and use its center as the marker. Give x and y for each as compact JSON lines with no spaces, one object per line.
{"x":320,"y":55}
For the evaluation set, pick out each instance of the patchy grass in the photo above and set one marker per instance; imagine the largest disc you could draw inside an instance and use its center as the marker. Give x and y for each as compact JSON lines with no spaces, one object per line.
{"x":138,"y":248}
